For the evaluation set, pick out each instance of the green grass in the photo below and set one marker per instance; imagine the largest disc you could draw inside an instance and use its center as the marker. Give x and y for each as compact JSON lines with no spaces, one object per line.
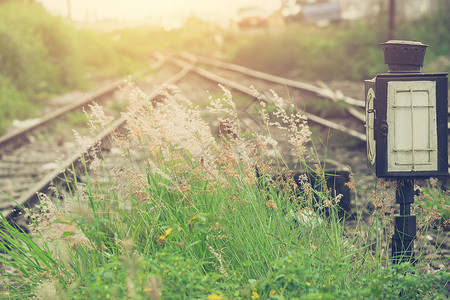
{"x":435,"y":203}
{"x":194,"y":221}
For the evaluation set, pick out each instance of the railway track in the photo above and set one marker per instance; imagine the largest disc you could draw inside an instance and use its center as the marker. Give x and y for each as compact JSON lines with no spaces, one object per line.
{"x":324,"y":93}
{"x":355,"y":108}
{"x":31,"y":168}
{"x":34,"y":167}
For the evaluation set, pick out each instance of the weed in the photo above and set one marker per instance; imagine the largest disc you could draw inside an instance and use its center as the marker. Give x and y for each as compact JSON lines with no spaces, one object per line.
{"x":434,"y":206}
{"x":196,"y":220}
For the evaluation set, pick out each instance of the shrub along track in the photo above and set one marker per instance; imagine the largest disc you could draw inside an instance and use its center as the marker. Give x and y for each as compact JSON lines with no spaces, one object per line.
{"x":21,"y":167}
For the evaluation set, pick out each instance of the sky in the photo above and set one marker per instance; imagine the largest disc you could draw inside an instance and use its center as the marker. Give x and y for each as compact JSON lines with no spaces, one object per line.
{"x":85,"y":10}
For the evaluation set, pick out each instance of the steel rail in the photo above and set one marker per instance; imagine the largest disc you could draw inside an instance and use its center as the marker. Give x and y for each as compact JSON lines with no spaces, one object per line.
{"x":328,"y":93}
{"x":75,"y":160}
{"x":243,"y":89}
{"x":324,"y":92}
{"x":104,"y":91}
{"x":80,"y":102}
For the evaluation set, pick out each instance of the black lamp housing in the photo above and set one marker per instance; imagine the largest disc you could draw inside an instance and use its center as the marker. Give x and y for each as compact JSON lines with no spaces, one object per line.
{"x":407,"y":115}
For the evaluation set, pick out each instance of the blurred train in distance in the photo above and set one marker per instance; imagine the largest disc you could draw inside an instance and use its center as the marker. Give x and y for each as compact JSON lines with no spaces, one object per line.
{"x":252,"y":17}
{"x":318,"y":12}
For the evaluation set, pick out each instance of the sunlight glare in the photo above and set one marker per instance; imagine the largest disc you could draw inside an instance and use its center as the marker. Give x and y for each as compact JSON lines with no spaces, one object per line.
{"x":153,"y":11}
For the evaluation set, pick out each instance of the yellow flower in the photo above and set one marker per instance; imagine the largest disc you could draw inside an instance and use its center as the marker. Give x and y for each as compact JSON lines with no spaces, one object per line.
{"x":166,"y":234}
{"x":214,"y":297}
{"x":272,"y":292}
{"x":255,"y":295}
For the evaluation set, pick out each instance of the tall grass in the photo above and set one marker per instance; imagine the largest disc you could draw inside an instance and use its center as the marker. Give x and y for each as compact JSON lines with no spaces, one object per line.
{"x":200,"y":217}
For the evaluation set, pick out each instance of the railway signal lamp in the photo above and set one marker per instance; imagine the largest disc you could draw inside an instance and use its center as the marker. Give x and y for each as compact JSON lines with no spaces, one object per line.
{"x":406,"y":115}
{"x":406,"y":130}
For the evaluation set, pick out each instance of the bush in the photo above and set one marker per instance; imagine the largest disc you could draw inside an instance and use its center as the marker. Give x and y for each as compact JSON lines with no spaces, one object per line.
{"x":14,"y":104}
{"x":346,"y":51}
{"x":330,"y":53}
{"x":37,"y":50}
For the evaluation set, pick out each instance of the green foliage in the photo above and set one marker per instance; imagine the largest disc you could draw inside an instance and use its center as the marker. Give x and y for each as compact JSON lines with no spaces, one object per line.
{"x":300,"y":276}
{"x":341,"y":51}
{"x":325,"y":108}
{"x":14,"y":104}
{"x":36,"y":59}
{"x":331,"y":53}
{"x":28,"y":259}
{"x":43,"y":55}
{"x":38,"y":51}
{"x":434,"y":204}
{"x":106,"y":54}
{"x":21,"y":58}
{"x":433,"y":31}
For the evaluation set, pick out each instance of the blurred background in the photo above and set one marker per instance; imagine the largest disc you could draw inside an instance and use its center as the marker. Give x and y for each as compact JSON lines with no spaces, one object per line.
{"x":48,"y":47}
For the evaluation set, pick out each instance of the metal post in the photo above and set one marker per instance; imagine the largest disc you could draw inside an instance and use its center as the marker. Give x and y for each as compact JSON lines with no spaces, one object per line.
{"x":69,"y":11}
{"x":405,"y":223}
{"x":392,"y":14}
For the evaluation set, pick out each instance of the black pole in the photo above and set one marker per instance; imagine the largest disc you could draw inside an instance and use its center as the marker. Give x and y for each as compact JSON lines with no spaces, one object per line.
{"x":392,"y":19}
{"x":405,"y":223}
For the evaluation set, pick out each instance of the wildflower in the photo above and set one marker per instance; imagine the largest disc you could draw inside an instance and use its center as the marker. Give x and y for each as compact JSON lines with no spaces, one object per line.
{"x":308,"y":217}
{"x":165,"y":235}
{"x":338,"y":198}
{"x":97,"y":118}
{"x":271,"y":204}
{"x":46,"y":290}
{"x":127,"y":244}
{"x":218,"y":256}
{"x":55,"y":226}
{"x":351,"y":185}
{"x":255,"y":295}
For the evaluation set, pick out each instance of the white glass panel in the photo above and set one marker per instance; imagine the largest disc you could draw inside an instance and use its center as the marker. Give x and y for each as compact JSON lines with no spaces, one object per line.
{"x":411,"y":118}
{"x":403,"y":98}
{"x":402,"y":128}
{"x":421,"y":128}
{"x":420,"y":98}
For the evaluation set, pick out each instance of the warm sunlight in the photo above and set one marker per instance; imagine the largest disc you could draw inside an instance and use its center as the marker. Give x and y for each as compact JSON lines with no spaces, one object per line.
{"x":154,"y":10}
